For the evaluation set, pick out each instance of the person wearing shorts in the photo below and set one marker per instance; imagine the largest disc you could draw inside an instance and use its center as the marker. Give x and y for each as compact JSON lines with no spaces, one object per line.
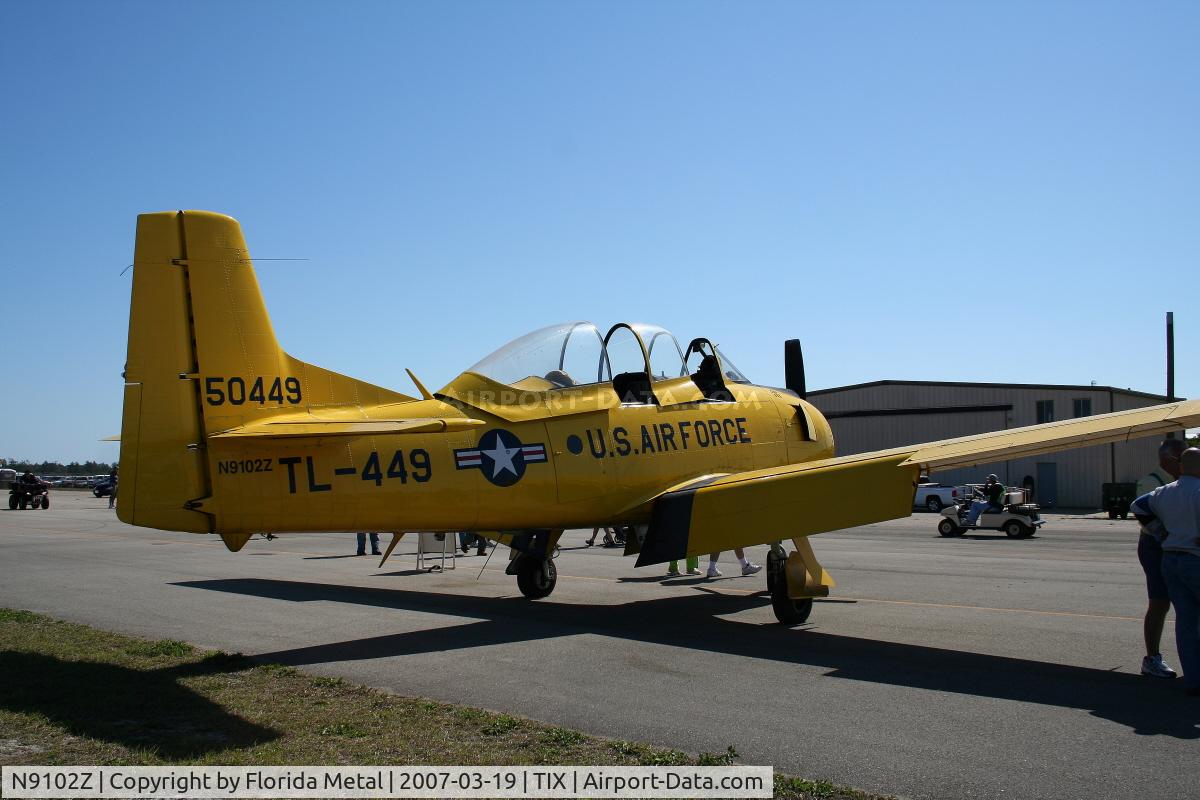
{"x":1150,"y":554}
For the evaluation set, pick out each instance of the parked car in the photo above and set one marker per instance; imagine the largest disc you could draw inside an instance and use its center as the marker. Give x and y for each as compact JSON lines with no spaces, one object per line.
{"x":935,"y":497}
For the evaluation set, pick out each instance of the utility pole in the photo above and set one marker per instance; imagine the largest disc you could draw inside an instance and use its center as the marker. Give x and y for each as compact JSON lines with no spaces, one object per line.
{"x":1170,"y":355}
{"x":1171,"y":361}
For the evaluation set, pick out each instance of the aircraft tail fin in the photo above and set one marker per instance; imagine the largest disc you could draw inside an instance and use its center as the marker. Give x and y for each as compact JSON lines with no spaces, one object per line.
{"x":202,"y":359}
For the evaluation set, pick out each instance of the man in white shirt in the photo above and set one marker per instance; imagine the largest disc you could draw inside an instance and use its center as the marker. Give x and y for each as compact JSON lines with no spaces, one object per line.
{"x":1149,"y":552}
{"x":1177,"y":507}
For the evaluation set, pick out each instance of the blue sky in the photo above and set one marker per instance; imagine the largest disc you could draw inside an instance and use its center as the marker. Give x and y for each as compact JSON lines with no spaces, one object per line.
{"x":945,"y":191}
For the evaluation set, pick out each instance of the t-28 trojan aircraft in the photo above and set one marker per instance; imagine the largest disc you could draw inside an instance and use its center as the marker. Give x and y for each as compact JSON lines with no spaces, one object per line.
{"x":223,"y":432}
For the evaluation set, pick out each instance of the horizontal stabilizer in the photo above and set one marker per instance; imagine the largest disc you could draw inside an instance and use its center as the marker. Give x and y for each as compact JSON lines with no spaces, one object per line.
{"x":286,"y":429}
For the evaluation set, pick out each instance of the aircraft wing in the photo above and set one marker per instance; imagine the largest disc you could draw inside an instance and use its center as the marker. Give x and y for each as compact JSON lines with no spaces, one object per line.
{"x":796,"y":500}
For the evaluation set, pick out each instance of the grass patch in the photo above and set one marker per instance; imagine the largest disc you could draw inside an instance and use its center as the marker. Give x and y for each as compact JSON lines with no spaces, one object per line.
{"x":720,"y":760}
{"x":163,"y":647}
{"x":560,"y":737}
{"x":323,"y":682}
{"x":500,"y":724}
{"x":77,"y":695}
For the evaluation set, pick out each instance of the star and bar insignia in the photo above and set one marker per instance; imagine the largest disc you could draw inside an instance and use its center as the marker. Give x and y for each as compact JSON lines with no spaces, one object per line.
{"x":500,"y":456}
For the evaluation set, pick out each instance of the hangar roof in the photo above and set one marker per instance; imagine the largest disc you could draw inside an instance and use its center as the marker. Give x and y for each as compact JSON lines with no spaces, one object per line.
{"x":969,"y":385}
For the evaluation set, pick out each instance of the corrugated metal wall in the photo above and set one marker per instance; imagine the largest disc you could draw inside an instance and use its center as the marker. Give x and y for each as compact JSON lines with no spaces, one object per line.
{"x":1081,"y":472}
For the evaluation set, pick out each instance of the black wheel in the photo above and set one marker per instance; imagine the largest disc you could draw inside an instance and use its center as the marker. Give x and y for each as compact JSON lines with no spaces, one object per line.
{"x":45,"y":501}
{"x":947,"y":528}
{"x":787,"y":610}
{"x":536,"y":578}
{"x":776,"y":558}
{"x":934,"y":503}
{"x":97,"y":493}
{"x":1015,"y":530}
{"x":23,"y":503}
{"x":1124,"y":515}
{"x":12,"y":502}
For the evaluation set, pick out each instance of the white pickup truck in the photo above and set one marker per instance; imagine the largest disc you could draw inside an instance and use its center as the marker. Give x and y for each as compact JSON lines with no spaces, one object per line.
{"x":935,"y":497}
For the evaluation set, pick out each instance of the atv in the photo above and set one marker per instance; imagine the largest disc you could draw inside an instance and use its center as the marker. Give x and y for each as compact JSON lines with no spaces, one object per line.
{"x":23,"y":495}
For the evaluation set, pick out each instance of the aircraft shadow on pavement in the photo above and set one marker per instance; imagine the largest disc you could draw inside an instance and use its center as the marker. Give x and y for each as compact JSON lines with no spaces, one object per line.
{"x":1148,"y":707}
{"x":138,"y":709}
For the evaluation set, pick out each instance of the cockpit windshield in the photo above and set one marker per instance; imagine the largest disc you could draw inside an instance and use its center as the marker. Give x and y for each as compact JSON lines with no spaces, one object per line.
{"x":574,"y":354}
{"x":568,"y":354}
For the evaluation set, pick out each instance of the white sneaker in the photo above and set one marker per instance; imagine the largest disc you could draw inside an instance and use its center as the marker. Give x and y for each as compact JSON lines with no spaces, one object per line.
{"x":750,"y":569}
{"x":693,"y":571}
{"x":1155,"y":667}
{"x":713,"y":572}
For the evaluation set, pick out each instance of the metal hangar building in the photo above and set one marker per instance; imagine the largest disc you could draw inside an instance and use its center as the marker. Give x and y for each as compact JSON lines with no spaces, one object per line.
{"x":882,"y":414}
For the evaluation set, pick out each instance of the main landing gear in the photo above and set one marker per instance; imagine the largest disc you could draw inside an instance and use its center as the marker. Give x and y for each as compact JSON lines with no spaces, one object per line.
{"x":794,"y":580}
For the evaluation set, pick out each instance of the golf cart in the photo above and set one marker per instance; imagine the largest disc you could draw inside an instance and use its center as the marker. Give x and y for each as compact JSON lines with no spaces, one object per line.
{"x":1018,"y":519}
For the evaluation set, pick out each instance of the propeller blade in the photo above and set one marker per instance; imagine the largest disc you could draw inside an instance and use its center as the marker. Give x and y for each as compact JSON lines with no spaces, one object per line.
{"x":793,"y":368}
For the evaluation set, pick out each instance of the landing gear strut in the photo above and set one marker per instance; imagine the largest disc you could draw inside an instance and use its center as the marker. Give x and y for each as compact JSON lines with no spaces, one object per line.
{"x":806,"y":578}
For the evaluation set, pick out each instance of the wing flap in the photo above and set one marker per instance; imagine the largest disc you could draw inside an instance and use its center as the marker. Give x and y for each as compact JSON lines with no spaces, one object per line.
{"x":738,"y":511}
{"x":309,"y":427}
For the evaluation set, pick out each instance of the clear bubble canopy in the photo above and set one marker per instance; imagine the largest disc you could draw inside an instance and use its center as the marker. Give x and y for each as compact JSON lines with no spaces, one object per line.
{"x":576,"y":353}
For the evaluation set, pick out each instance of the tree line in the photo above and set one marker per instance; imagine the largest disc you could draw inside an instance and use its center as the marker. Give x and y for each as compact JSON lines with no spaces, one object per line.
{"x":55,"y":468}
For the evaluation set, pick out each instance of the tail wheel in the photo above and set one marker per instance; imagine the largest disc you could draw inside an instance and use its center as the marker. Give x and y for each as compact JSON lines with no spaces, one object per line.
{"x":787,"y":610}
{"x":947,"y":528}
{"x":536,"y":577}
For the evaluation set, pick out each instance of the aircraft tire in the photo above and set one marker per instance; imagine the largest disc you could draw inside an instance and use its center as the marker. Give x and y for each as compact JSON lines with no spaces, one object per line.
{"x":787,"y":610}
{"x":775,"y":564}
{"x":536,"y":578}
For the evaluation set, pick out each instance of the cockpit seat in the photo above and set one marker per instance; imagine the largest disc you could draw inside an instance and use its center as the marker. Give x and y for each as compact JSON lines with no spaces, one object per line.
{"x":560,"y":379}
{"x":633,"y":387}
{"x":708,"y":379}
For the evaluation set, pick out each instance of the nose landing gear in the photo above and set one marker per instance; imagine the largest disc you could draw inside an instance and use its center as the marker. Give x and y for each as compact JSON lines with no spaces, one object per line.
{"x":533,"y":561}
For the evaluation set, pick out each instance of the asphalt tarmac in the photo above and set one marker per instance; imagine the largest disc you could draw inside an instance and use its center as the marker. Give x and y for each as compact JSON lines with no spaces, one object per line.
{"x":939,"y":668}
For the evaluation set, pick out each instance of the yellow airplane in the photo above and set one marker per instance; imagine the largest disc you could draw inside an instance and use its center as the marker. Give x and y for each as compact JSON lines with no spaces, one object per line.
{"x":223,"y":432}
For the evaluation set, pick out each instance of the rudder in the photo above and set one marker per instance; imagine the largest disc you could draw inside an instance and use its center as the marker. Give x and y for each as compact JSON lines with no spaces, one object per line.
{"x":203,"y":358}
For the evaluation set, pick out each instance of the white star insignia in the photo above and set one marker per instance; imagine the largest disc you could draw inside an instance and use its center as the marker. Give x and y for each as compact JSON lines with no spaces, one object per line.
{"x":502,"y":457}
